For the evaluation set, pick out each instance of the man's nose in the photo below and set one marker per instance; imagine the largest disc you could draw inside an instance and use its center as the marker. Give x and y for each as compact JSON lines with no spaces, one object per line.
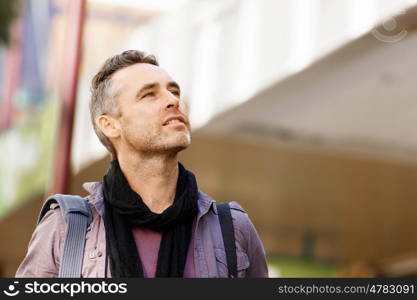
{"x":172,"y":100}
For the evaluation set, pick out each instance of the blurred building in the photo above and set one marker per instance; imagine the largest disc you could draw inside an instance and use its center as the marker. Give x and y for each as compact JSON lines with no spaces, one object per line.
{"x":303,"y":112}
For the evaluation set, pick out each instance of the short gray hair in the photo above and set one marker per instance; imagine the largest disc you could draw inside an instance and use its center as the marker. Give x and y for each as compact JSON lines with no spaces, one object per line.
{"x":104,"y":93}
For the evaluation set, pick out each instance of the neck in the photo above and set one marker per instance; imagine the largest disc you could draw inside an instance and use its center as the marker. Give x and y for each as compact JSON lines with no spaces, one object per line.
{"x":154,"y":178}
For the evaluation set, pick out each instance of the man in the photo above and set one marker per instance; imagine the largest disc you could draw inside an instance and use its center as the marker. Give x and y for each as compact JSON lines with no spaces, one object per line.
{"x":149,"y":219}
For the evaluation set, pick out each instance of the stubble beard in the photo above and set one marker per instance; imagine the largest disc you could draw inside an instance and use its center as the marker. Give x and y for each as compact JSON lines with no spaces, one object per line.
{"x":156,"y":144}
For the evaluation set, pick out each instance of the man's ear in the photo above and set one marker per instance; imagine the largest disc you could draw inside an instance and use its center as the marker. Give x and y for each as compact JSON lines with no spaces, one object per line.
{"x":109,"y":126}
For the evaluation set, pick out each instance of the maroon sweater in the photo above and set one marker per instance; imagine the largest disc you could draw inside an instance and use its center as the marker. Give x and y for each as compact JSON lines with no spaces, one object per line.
{"x":148,"y":241}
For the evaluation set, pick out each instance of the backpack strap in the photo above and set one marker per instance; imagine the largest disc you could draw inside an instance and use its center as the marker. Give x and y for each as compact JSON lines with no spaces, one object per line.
{"x":77,"y":214}
{"x":228,"y":233}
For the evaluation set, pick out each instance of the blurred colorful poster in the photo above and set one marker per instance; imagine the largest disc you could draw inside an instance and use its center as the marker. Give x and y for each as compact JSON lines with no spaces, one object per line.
{"x":30,"y":82}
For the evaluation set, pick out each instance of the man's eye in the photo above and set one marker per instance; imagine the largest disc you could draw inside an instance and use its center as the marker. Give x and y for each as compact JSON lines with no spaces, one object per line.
{"x":176,"y":93}
{"x":150,"y":94}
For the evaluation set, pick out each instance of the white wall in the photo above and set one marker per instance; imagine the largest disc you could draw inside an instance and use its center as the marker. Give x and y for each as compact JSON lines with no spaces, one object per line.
{"x":222,"y":52}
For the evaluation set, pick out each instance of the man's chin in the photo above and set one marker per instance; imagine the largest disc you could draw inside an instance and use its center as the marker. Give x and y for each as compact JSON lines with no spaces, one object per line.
{"x":179,"y":148}
{"x":182,"y":145}
{"x":182,"y":140}
{"x":178,"y":145}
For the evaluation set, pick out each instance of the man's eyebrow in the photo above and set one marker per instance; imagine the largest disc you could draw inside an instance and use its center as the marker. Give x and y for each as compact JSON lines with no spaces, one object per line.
{"x":146,"y":87}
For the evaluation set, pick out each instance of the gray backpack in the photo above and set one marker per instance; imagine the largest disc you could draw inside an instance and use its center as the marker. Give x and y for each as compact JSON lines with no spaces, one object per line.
{"x":77,"y":214}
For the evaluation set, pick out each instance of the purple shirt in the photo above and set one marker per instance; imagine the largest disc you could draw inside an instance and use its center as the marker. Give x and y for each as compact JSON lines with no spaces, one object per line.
{"x":207,"y":247}
{"x":148,"y":242}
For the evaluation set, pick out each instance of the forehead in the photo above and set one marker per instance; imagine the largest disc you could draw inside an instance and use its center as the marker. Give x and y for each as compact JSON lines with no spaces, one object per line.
{"x":140,"y":74}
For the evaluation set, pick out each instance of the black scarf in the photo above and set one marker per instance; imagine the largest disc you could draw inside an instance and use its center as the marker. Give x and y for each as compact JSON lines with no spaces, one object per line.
{"x":124,"y":209}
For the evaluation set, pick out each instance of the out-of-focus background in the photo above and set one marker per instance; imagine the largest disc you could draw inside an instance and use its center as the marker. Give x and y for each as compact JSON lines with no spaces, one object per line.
{"x":303,"y":111}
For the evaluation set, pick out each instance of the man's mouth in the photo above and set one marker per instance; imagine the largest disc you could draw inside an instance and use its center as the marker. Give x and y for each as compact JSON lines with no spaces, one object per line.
{"x":174,"y":121}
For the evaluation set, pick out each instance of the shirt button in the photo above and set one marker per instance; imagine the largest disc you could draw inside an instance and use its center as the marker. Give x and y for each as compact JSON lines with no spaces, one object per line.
{"x":91,"y":255}
{"x":99,"y":254}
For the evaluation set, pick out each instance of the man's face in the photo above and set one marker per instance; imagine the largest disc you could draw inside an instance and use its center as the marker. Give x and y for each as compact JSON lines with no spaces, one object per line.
{"x":153,"y":118}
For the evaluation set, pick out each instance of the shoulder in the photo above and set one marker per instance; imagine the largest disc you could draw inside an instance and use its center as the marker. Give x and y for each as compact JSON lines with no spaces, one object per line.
{"x":239,"y":215}
{"x":56,"y":207}
{"x":52,"y":219}
{"x":43,"y":255}
{"x":241,"y":223}
{"x":245,"y":231}
{"x":235,"y":206}
{"x":52,"y":226}
{"x":67,"y":204}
